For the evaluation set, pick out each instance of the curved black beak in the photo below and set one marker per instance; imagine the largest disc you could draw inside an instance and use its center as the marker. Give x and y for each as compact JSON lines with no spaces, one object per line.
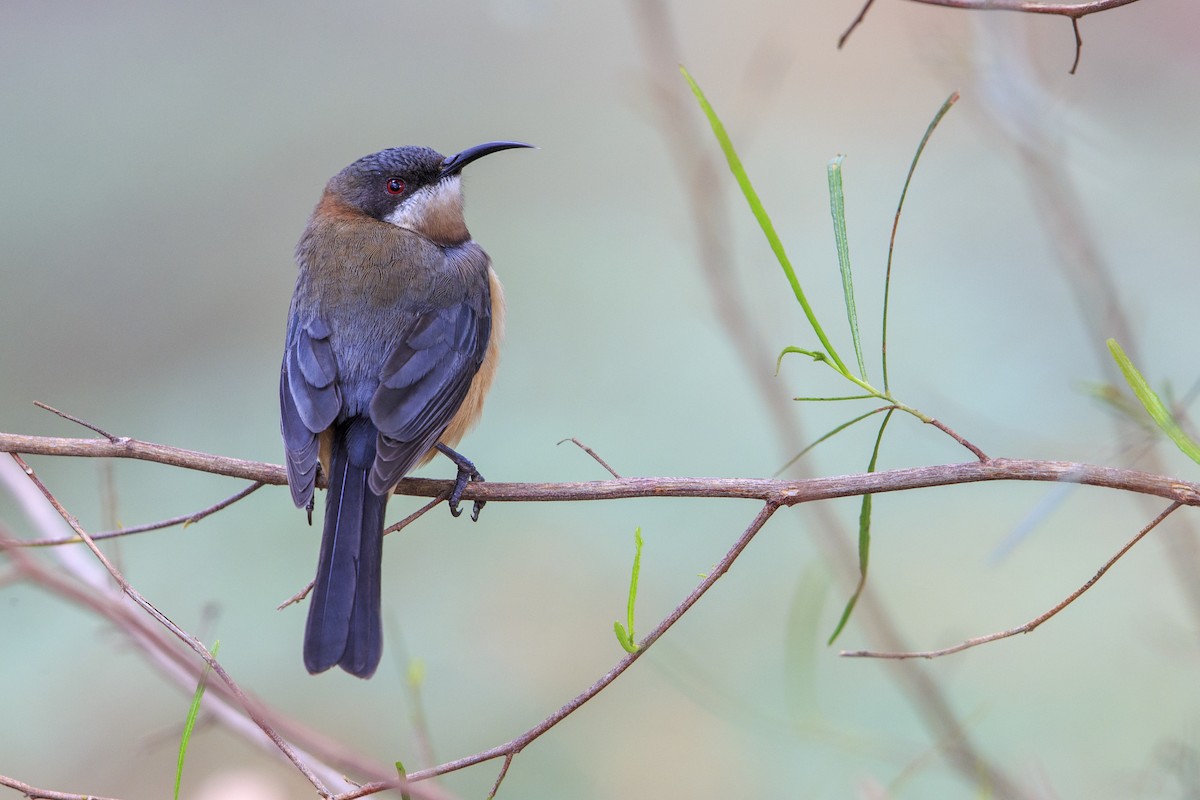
{"x":454,"y":164}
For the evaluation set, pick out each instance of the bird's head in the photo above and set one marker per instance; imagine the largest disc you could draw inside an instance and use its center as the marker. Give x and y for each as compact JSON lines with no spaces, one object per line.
{"x":412,"y":187}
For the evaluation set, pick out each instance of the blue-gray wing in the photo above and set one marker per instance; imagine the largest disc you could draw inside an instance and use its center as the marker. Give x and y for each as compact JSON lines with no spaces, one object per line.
{"x":423,"y":383}
{"x":309,"y":401}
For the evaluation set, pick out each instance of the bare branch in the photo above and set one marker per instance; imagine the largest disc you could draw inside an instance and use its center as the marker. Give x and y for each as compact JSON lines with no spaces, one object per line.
{"x":76,"y":420}
{"x":184,"y":519}
{"x":1074,"y":11}
{"x":783,"y":492}
{"x":593,"y":454}
{"x":1028,"y":627}
{"x":44,"y":794}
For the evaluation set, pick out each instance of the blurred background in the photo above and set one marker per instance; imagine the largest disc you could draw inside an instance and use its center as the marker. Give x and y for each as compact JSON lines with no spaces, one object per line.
{"x":160,"y":161}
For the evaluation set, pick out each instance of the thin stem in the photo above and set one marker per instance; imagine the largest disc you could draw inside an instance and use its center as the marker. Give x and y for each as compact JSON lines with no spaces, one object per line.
{"x":185,"y":519}
{"x":1030,"y":626}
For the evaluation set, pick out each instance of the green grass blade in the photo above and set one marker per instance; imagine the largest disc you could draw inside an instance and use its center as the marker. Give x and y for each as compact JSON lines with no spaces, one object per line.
{"x":190,"y":723}
{"x":837,"y":207}
{"x":760,"y":214}
{"x":864,"y":537}
{"x":887,"y":281}
{"x":1153,"y":405}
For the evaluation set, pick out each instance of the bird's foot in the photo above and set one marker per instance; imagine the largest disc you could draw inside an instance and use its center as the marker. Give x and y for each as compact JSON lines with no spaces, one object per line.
{"x":466,"y":474}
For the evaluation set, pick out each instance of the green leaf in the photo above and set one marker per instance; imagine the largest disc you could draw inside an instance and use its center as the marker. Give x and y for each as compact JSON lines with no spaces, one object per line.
{"x":627,"y":638}
{"x":864,"y":537}
{"x":832,"y":433}
{"x":1153,"y":405}
{"x":837,"y":207}
{"x":887,"y":281}
{"x":760,"y":214}
{"x":190,"y":723}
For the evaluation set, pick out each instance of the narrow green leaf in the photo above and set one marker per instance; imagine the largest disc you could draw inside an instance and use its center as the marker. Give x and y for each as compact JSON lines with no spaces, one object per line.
{"x":627,"y":638}
{"x":760,"y":214}
{"x":837,"y":207}
{"x":190,"y":723}
{"x":836,"y":399}
{"x":1153,"y":405}
{"x":887,"y":281}
{"x":830,"y":434}
{"x":864,"y":536}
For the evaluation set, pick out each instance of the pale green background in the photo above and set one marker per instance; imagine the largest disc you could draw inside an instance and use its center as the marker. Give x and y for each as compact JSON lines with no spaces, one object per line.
{"x":158,"y":164}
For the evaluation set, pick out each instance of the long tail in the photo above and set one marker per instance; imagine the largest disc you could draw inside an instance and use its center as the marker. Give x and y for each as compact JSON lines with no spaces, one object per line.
{"x":344,"y":622}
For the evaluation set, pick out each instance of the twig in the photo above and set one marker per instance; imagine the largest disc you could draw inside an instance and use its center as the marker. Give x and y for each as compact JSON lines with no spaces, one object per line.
{"x":1028,"y":627}
{"x":946,"y":429}
{"x":184,"y":519}
{"x":76,"y":420}
{"x":44,"y":794}
{"x":862,"y":13}
{"x":593,"y":454}
{"x":508,"y":759}
{"x":195,"y":644}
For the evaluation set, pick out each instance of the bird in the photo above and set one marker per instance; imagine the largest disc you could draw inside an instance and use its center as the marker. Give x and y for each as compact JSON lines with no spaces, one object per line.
{"x":392,"y":341}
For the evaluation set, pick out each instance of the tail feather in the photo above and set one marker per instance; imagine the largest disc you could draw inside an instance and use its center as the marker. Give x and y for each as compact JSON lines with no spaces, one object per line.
{"x":345,"y":626}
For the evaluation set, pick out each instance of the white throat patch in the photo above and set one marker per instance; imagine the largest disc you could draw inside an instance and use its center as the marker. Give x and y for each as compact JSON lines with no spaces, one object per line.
{"x":429,"y":203}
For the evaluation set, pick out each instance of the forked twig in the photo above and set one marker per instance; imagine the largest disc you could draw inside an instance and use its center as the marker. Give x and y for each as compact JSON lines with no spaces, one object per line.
{"x":1074,"y":11}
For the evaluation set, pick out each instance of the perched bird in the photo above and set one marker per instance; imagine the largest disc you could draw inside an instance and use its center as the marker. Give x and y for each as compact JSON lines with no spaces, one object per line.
{"x":392,"y":342}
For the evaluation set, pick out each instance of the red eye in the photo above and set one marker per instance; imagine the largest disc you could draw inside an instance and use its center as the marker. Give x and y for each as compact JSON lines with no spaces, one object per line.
{"x":394,"y":186}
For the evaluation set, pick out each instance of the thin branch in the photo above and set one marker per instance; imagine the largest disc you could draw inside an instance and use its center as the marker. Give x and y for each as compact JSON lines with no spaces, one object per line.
{"x":44,"y":794}
{"x":946,"y":429}
{"x":508,"y":759}
{"x":1030,"y":626}
{"x":1074,"y":11}
{"x":593,"y":454}
{"x":784,"y":492}
{"x":195,"y":644}
{"x":184,"y":519}
{"x":862,"y":13}
{"x":514,"y":746}
{"x":76,"y":420}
